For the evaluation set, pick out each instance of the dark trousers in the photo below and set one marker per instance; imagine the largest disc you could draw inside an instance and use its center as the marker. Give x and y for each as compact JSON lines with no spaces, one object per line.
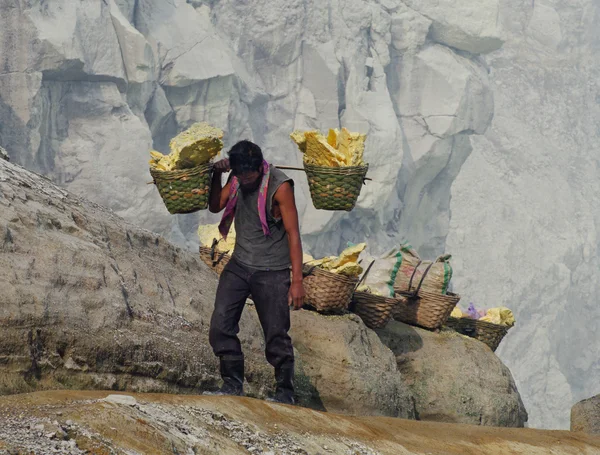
{"x":269,"y":291}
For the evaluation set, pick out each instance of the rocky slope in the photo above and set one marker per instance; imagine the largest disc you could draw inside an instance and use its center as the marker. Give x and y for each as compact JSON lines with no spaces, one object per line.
{"x":86,"y":88}
{"x":92,"y":302}
{"x":100,"y":422}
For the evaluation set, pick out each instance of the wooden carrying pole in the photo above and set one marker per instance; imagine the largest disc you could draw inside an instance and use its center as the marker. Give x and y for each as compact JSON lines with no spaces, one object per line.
{"x":291,"y":168}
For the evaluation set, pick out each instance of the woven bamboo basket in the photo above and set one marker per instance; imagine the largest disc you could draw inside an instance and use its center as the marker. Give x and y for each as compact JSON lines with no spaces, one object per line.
{"x":335,"y":188}
{"x":215,"y":260}
{"x":186,"y":190}
{"x":426,"y":309}
{"x":327,"y":292}
{"x":374,"y":310}
{"x":490,"y":334}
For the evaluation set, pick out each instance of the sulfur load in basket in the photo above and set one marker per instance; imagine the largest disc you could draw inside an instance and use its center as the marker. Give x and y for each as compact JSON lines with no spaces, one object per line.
{"x":214,"y":250}
{"x":488,"y":327}
{"x":334,"y":167}
{"x":183,"y":177}
{"x":329,"y":282}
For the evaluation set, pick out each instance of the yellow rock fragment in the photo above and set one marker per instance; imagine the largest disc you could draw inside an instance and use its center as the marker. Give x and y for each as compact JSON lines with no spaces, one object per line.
{"x":320,"y":153}
{"x":307,"y":258}
{"x":350,"y":254}
{"x":339,"y":148}
{"x":332,"y":138}
{"x":207,"y":233}
{"x":350,"y":269}
{"x":352,"y":146}
{"x":500,"y":316}
{"x":457,"y":313}
{"x":370,"y":290}
{"x":196,"y":146}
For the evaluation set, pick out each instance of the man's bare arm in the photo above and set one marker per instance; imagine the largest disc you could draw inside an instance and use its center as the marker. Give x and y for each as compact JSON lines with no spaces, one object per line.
{"x":287,"y":204}
{"x":218,"y":195}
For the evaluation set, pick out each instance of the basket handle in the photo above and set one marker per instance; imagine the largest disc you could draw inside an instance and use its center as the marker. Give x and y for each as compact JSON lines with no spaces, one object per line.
{"x":415,"y":294}
{"x":364,"y":276}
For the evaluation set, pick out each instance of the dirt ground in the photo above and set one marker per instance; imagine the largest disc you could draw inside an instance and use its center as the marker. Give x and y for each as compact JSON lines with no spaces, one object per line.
{"x":96,"y":422}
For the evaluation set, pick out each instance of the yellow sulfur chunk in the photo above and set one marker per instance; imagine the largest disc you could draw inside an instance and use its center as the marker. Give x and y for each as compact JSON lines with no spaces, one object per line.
{"x":352,"y":146}
{"x":350,"y":254}
{"x":207,"y":233}
{"x":369,"y":289}
{"x":196,"y":146}
{"x":456,"y":313}
{"x":299,"y":138}
{"x":500,"y":316}
{"x":320,"y":153}
{"x":307,"y":258}
{"x":332,"y":138}
{"x":350,"y":269}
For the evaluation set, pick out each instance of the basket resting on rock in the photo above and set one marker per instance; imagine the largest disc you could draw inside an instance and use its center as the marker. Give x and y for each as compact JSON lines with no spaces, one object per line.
{"x":327,"y":292}
{"x":488,"y":333}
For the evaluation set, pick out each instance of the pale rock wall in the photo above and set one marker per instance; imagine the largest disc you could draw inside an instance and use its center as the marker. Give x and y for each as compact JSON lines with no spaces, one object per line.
{"x":525,"y":219}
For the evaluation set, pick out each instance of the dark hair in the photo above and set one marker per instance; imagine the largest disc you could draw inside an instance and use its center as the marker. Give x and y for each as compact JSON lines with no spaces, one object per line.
{"x":245,"y":156}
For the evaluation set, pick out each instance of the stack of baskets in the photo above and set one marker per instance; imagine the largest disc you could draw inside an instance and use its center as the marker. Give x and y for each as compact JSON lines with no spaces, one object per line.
{"x":488,"y":333}
{"x":186,"y":190}
{"x":335,"y":188}
{"x":327,"y":292}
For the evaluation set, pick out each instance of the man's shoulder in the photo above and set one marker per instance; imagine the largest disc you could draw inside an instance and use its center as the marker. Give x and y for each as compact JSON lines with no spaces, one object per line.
{"x":278,"y":177}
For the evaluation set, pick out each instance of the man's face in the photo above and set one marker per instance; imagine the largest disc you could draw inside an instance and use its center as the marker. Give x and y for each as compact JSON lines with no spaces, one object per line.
{"x":249,"y":181}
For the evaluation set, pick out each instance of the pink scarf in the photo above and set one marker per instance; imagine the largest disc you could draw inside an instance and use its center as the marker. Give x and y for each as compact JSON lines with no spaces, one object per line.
{"x":234,"y":189}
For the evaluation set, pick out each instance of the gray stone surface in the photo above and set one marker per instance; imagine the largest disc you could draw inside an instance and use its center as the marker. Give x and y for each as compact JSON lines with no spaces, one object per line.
{"x":454,"y":378}
{"x":585,"y":416}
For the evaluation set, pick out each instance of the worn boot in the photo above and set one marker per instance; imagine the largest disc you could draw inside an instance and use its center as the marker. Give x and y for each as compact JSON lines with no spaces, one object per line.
{"x":284,"y":393}
{"x":232,"y":372}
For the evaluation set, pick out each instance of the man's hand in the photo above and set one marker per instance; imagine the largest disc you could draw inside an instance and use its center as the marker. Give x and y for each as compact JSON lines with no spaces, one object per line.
{"x":222,"y":166}
{"x":296,"y":295}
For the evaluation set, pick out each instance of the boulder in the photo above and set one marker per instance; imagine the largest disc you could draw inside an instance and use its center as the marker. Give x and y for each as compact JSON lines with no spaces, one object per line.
{"x":90,"y":301}
{"x":585,"y":416}
{"x":4,"y":154}
{"x":454,"y":378}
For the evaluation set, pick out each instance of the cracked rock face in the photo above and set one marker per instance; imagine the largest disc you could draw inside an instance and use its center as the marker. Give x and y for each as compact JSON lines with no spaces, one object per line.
{"x":87,"y":88}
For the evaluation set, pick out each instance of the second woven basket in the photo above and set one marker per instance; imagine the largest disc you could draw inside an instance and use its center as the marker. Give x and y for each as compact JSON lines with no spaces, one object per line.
{"x":374,"y":310}
{"x":335,"y":188}
{"x":426,"y":309}
{"x":327,"y":292}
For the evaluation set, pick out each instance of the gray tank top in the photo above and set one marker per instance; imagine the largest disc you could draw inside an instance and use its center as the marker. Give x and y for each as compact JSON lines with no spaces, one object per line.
{"x":252,"y":248}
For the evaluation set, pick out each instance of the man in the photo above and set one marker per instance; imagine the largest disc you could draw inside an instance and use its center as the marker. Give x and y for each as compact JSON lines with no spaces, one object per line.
{"x":259,"y":198}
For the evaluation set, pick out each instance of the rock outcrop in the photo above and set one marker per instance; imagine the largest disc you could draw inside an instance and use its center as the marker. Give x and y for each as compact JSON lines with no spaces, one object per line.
{"x":102,"y":422}
{"x":90,"y":301}
{"x":454,"y":378}
{"x":585,"y":416}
